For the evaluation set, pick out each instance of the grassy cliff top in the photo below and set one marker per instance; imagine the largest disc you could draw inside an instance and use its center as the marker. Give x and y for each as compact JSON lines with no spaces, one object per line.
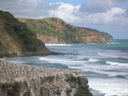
{"x":55,"y":27}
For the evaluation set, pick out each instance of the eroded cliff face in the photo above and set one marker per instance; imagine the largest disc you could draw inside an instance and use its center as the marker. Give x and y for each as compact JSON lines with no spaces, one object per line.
{"x":107,"y":36}
{"x":24,"y":80}
{"x":70,"y":39}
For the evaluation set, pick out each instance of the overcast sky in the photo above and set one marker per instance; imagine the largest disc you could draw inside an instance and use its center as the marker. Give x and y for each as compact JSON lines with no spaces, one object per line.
{"x":109,"y":16}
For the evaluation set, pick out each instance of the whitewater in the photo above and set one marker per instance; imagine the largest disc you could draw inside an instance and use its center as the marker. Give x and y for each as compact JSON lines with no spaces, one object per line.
{"x":105,"y":65}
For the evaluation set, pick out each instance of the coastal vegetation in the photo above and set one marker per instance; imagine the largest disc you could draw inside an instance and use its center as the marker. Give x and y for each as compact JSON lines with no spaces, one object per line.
{"x":62,"y":31}
{"x":16,"y":39}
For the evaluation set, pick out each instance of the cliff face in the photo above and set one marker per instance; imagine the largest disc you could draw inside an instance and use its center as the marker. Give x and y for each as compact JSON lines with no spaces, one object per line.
{"x":105,"y":35}
{"x":50,"y":29}
{"x":70,"y":39}
{"x":24,"y":80}
{"x":16,"y":39}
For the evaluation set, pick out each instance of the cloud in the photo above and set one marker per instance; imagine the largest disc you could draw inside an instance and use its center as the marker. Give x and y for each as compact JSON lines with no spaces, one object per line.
{"x":97,"y":11}
{"x":65,"y":11}
{"x":109,"y":17}
{"x":96,"y":6}
{"x":120,"y":1}
{"x":124,"y":4}
{"x":94,"y":14}
{"x":31,"y":1}
{"x":28,"y":8}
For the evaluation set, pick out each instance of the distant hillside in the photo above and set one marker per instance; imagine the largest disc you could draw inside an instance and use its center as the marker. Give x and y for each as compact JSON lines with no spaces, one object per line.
{"x":55,"y":30}
{"x":16,"y":39}
{"x":106,"y":35}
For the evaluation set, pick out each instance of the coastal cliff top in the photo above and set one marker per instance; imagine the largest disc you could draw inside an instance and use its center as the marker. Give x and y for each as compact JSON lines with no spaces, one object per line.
{"x":57,"y":27}
{"x":11,"y":72}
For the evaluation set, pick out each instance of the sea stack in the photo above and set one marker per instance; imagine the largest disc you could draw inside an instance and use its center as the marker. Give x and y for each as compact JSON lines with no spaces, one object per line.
{"x":25,"y":80}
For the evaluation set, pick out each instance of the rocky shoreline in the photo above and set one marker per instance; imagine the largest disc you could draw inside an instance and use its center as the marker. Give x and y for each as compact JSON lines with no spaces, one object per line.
{"x":25,"y":80}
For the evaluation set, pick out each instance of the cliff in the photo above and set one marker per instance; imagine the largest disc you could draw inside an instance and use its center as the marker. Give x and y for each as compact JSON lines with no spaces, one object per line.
{"x":55,"y":30}
{"x":105,"y":35}
{"x":25,"y":80}
{"x":16,"y":39}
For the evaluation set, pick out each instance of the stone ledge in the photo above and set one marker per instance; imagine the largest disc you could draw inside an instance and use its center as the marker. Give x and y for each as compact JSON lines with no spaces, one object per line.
{"x":25,"y":80}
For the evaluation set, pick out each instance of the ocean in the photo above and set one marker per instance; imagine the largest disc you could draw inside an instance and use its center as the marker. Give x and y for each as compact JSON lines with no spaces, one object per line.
{"x":105,"y":65}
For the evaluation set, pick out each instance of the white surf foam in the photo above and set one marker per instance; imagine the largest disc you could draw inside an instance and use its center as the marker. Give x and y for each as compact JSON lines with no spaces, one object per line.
{"x":100,"y":69}
{"x":117,"y":64}
{"x":58,"y":44}
{"x":113,"y":51}
{"x":113,"y":55}
{"x":91,"y":43}
{"x":93,"y":60}
{"x":113,"y":43}
{"x":110,"y":87}
{"x":62,"y":61}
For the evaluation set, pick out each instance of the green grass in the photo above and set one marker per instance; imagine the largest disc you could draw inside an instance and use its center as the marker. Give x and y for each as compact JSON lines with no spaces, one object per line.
{"x":54,"y":27}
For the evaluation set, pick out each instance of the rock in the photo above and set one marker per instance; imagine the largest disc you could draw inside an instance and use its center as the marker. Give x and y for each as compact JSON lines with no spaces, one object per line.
{"x":25,"y":80}
{"x":68,"y":40}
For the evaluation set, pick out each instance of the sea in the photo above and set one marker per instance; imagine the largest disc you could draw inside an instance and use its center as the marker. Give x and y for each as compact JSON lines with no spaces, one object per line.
{"x":105,"y":65}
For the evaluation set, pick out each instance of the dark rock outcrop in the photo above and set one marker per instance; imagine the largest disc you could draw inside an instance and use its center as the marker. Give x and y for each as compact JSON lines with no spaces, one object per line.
{"x":25,"y":80}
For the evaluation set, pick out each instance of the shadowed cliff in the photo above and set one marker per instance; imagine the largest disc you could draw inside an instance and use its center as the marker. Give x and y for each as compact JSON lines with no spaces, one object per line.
{"x":55,"y":30}
{"x":16,"y":39}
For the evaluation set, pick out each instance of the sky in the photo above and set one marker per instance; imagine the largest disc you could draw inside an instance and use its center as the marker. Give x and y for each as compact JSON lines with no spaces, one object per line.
{"x":110,"y":16}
